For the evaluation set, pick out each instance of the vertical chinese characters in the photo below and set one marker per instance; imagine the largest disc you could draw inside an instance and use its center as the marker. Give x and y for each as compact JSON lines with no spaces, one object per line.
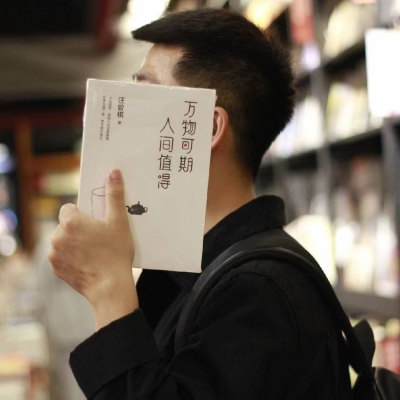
{"x":187,"y":140}
{"x":109,"y":118}
{"x":165,"y":160}
{"x":103,"y":110}
{"x":120,"y":112}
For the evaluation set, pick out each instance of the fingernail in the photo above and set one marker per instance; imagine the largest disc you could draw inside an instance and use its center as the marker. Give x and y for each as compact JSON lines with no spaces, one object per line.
{"x":115,"y":175}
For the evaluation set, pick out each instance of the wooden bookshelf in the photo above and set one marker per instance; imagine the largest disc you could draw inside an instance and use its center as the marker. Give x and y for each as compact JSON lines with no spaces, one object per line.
{"x":56,"y":162}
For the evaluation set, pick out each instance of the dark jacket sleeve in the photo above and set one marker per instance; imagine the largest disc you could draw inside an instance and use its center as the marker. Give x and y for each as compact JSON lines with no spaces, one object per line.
{"x":245,"y":345}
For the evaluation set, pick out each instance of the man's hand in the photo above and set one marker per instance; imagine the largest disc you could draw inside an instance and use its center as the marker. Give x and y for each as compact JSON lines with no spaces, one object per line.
{"x":95,"y":256}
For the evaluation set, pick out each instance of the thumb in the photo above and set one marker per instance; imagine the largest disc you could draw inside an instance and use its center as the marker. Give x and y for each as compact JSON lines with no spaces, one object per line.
{"x":115,"y":196}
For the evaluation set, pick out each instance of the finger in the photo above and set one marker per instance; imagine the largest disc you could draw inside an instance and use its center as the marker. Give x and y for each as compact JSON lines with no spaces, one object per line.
{"x":115,"y":196}
{"x":67,"y":210}
{"x":56,"y":238}
{"x":56,"y":258}
{"x":70,"y":218}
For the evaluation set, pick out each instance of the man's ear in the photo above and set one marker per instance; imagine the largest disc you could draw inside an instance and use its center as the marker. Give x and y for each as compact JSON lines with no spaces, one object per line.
{"x":221,"y":122}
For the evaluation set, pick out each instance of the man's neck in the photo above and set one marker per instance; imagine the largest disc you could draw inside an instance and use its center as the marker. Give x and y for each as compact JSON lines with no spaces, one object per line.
{"x":225,"y":199}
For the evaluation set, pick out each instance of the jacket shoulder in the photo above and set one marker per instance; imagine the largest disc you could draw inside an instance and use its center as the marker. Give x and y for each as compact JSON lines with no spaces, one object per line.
{"x":291,"y":284}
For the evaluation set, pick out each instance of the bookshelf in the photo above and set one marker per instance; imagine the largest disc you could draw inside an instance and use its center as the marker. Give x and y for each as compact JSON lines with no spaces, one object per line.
{"x":308,"y":157}
{"x":345,"y":58}
{"x":378,"y":141}
{"x":44,"y":136}
{"x":365,"y":304}
{"x":56,"y":162}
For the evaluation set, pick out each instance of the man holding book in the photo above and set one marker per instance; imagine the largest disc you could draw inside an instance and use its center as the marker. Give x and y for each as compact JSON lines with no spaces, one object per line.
{"x":263,"y":332}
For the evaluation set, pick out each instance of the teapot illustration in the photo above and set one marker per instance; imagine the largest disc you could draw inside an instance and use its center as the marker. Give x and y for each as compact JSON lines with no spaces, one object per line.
{"x":137,"y":209}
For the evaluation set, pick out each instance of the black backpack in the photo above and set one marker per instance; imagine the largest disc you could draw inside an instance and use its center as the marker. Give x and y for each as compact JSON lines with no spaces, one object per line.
{"x":372,"y":383}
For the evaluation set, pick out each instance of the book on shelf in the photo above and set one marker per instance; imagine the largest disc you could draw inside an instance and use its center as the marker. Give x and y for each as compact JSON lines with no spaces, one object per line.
{"x":160,"y":138}
{"x":364,"y":229}
{"x":347,"y":25}
{"x":304,"y":132}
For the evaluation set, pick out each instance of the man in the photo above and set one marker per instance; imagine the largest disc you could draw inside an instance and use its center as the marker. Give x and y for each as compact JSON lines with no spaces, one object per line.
{"x":263,"y":332}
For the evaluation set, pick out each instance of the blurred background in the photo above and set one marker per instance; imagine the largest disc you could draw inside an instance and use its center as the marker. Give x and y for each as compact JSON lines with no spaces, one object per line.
{"x":336,"y":165}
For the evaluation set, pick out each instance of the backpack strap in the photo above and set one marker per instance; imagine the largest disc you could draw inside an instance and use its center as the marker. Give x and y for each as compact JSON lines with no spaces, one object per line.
{"x":276,"y":245}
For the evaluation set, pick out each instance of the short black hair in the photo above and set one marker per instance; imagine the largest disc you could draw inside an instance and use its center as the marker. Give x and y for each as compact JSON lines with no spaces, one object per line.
{"x":250,"y":70}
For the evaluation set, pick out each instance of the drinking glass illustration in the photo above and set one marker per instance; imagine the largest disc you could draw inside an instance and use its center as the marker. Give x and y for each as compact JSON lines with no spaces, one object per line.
{"x":98,"y":197}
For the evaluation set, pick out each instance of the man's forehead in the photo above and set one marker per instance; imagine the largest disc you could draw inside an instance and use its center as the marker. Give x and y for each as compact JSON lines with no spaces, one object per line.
{"x":159,"y":64}
{"x":160,"y":53}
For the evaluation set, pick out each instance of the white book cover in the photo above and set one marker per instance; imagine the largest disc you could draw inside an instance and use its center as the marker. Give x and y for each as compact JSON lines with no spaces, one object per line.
{"x":160,"y":138}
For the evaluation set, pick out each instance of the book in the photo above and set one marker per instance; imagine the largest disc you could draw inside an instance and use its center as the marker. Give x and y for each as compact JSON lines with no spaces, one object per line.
{"x":160,"y":139}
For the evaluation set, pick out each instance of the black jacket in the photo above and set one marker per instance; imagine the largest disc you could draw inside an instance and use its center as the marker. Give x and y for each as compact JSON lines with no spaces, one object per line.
{"x":262,"y":333}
